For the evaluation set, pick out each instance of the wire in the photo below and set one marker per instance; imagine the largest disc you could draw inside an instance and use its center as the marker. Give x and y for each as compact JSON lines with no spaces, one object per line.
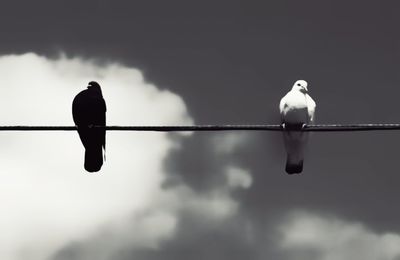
{"x":308,"y":128}
{"x":351,"y":127}
{"x":148,"y":128}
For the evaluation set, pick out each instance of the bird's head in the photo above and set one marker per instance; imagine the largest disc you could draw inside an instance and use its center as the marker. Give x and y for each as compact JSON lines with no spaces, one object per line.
{"x":301,"y":85}
{"x":94,"y":86}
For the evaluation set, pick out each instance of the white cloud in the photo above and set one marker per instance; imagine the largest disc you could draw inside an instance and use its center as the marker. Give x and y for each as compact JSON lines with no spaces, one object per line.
{"x":224,"y":146}
{"x":229,"y":142}
{"x":148,"y":227}
{"x":238,"y":178}
{"x":47,"y":199}
{"x":309,"y":236}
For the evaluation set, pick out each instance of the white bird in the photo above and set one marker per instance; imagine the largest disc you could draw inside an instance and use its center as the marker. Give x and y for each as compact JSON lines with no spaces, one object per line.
{"x":297,"y":108}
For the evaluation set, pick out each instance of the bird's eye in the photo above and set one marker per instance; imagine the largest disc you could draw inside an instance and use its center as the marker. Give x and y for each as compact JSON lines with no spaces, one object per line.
{"x":298,"y":84}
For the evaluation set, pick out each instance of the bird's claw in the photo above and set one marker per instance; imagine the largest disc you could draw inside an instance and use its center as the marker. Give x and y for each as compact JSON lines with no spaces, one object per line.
{"x":293,"y":127}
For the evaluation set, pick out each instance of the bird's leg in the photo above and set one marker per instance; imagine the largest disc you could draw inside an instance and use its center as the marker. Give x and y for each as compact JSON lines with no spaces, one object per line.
{"x":303,"y":126}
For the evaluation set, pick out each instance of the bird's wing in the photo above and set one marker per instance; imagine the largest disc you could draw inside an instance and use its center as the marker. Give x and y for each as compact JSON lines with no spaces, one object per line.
{"x":103,"y":122}
{"x":79,"y":108}
{"x":282,"y":105}
{"x":311,"y":108}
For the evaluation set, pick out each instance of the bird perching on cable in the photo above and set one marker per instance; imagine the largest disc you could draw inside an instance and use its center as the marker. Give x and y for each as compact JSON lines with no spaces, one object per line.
{"x":297,"y":109}
{"x":88,"y":110}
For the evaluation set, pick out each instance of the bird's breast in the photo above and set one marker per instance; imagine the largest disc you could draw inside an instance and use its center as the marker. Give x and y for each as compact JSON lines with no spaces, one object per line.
{"x":295,"y":109}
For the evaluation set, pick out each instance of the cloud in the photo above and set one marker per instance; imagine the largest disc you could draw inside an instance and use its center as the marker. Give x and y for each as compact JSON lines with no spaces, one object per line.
{"x":227,"y":143}
{"x":238,"y":178}
{"x":47,"y":199}
{"x":181,"y":217}
{"x":53,"y":209}
{"x":310,"y":236}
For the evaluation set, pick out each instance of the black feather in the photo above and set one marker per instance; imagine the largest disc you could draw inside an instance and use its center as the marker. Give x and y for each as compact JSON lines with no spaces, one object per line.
{"x":89,"y":109}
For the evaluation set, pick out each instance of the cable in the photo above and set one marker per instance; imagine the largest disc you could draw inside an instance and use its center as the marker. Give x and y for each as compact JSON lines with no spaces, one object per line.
{"x":148,"y":128}
{"x":308,"y":128}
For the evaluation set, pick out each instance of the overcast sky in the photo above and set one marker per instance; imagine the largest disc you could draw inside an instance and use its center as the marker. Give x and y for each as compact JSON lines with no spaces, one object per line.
{"x":203,"y":195}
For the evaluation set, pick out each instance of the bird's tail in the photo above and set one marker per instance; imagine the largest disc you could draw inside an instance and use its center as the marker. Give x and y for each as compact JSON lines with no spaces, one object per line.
{"x":93,"y":159}
{"x":293,"y":166}
{"x":295,"y":143}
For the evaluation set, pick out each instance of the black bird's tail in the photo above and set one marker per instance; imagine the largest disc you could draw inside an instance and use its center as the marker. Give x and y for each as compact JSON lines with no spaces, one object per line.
{"x":93,"y":159}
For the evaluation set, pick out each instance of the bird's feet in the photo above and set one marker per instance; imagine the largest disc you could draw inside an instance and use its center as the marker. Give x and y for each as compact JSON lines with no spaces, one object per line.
{"x":293,"y":127}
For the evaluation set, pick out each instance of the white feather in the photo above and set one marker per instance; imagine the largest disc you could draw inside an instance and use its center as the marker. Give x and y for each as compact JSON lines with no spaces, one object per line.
{"x":296,"y":108}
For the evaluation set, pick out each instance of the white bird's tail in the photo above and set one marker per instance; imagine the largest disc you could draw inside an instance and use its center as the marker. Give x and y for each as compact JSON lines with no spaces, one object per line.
{"x":293,"y":166}
{"x":295,"y":142}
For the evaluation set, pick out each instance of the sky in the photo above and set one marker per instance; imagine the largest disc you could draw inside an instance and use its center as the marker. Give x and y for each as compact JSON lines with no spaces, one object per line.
{"x":203,"y":195}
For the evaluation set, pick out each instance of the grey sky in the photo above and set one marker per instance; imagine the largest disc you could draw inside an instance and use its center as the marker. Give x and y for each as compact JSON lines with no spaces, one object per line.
{"x":231,"y":62}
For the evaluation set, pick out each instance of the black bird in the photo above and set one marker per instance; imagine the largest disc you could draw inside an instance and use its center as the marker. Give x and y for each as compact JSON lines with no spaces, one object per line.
{"x":88,"y":110}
